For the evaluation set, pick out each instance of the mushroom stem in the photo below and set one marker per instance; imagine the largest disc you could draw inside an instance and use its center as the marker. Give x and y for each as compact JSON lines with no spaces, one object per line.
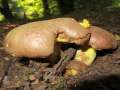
{"x":85,"y":55}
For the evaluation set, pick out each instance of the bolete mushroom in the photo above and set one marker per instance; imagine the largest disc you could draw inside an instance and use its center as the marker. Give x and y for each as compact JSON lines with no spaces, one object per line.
{"x":74,"y":68}
{"x":101,"y":39}
{"x":38,"y":39}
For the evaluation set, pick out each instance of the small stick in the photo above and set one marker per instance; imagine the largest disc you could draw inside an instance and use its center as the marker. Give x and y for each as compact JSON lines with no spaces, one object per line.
{"x":66,"y":56}
{"x":59,"y":67}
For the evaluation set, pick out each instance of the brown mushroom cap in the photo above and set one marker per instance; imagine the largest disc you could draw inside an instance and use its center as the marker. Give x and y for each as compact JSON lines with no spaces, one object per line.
{"x":101,"y":39}
{"x":30,"y":43}
{"x":37,"y":39}
{"x":74,"y":68}
{"x":77,"y":65}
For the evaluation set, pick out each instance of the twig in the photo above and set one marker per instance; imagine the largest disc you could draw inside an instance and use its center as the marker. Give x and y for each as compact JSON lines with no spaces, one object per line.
{"x":67,"y":56}
{"x":59,"y":67}
{"x":6,"y":67}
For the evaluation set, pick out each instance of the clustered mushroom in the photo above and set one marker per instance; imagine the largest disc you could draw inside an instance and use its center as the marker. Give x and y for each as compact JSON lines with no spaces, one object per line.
{"x":100,"y":39}
{"x":38,"y":40}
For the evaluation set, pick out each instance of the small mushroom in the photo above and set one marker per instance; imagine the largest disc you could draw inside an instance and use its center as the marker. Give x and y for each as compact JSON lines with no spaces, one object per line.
{"x":101,"y":39}
{"x":38,"y":39}
{"x":74,"y":68}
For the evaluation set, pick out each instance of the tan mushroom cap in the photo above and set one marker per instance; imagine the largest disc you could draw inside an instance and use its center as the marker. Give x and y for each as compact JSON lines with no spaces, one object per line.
{"x":101,"y":39}
{"x":30,"y":43}
{"x":37,"y":39}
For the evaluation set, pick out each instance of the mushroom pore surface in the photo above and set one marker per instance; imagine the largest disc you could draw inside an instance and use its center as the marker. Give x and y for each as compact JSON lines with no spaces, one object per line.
{"x":37,"y":39}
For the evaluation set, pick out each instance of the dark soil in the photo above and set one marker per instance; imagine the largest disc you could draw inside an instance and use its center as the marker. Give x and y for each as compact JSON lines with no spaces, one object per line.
{"x":32,"y":74}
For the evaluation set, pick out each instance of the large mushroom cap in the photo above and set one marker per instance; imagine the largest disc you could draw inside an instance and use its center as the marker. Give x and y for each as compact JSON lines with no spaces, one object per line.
{"x":101,"y":39}
{"x":29,"y":43}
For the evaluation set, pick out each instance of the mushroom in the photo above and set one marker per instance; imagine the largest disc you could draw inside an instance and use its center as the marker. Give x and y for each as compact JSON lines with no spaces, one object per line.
{"x":74,"y":68}
{"x":101,"y":39}
{"x":38,"y":39}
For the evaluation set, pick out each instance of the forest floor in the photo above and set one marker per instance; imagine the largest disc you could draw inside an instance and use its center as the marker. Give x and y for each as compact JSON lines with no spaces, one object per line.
{"x":27,"y":74}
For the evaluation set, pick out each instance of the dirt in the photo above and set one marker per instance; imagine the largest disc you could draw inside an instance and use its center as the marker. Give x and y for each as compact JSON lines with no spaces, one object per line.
{"x":32,"y":74}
